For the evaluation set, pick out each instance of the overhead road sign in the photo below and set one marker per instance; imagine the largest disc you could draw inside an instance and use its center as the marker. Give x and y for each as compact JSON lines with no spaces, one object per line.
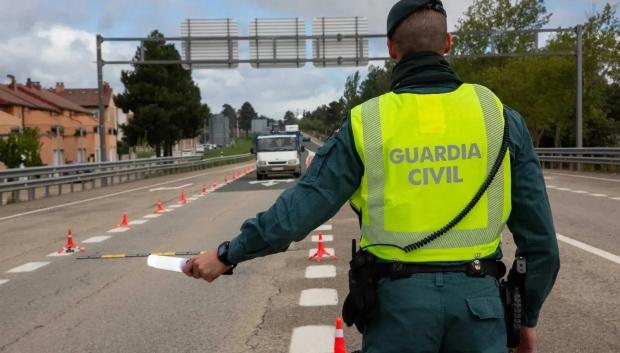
{"x":340,"y":41}
{"x":210,"y":40}
{"x":277,"y":43}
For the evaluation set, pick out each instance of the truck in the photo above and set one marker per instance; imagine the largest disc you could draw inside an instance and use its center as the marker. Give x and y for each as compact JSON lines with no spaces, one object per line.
{"x":278,"y":154}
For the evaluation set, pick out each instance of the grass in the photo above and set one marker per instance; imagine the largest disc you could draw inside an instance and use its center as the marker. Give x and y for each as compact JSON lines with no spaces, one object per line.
{"x":241,"y":146}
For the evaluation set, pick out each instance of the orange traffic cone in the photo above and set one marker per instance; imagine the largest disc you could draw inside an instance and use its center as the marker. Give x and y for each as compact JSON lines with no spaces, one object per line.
{"x":124,"y":221}
{"x":225,"y":180}
{"x":182,"y":199}
{"x":340,"y":345}
{"x":320,"y":251}
{"x":204,"y":190}
{"x":159,"y":208}
{"x":213,"y":185}
{"x":70,"y":247}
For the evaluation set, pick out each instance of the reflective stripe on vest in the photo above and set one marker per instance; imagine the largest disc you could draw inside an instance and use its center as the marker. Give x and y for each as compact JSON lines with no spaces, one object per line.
{"x":425,"y":156}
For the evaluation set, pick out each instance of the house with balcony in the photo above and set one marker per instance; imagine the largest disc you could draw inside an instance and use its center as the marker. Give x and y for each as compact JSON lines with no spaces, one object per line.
{"x":88,"y":98}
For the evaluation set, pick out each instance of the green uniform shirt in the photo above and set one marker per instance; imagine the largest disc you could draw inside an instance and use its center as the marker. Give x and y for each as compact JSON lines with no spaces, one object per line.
{"x":336,"y":172}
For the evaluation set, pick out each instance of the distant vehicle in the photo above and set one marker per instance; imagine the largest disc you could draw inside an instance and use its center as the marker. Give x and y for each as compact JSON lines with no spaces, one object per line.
{"x":200,"y":148}
{"x":291,"y":128}
{"x":278,"y":155}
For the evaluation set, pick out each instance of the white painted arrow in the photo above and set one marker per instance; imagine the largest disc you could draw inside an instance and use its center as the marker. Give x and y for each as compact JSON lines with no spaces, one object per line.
{"x":171,"y":187}
{"x":272,"y":182}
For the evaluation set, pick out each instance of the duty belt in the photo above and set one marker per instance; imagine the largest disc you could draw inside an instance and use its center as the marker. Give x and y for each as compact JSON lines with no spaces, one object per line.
{"x":476,"y":268}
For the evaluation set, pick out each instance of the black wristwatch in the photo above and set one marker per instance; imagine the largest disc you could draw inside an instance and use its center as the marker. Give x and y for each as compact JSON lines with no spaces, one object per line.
{"x":222,"y":255}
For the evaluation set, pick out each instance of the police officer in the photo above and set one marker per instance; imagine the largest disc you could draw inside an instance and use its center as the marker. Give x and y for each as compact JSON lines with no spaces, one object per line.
{"x":409,"y":161}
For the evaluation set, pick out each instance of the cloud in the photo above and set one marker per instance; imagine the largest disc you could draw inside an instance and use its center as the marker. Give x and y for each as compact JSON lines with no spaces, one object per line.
{"x":57,"y":54}
{"x":271,"y":91}
{"x":375,"y":11}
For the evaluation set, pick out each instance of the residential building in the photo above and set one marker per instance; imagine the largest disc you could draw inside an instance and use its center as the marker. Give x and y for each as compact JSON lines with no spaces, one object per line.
{"x":67,"y":132}
{"x":88,"y":98}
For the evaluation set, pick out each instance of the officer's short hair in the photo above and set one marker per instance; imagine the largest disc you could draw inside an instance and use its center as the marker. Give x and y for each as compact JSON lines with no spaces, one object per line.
{"x":423,"y":30}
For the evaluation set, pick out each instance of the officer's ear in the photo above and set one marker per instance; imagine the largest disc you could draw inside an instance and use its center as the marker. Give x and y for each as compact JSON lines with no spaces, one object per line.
{"x":447,"y":44}
{"x":392,"y":50}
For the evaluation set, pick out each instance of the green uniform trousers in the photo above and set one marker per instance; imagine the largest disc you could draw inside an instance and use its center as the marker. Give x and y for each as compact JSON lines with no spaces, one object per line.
{"x":437,"y":313}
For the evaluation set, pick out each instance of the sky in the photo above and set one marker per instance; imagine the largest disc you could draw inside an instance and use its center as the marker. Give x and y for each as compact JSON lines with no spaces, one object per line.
{"x":54,"y":41}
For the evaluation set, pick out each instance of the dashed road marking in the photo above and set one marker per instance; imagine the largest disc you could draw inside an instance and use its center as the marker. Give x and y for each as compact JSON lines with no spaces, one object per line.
{"x":312,"y":339}
{"x":579,"y":192}
{"x":598,"y":195}
{"x":616,"y":198}
{"x":320,"y":271}
{"x":326,"y":237}
{"x":118,"y":230}
{"x":3,"y":281}
{"x":551,"y":186}
{"x":154,"y":215}
{"x":583,"y":246}
{"x":318,"y":297}
{"x":97,"y":239}
{"x":59,"y":254}
{"x":28,"y":267}
{"x":192,"y":199}
{"x":176,"y":206}
{"x":138,"y":222}
{"x":587,"y":177}
{"x":331,"y":251}
{"x":324,"y":227}
{"x":111,"y":195}
{"x":564,"y":189}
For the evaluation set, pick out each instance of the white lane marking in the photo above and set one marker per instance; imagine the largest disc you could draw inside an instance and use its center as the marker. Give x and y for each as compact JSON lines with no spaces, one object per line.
{"x":192,"y":199}
{"x":320,"y":271}
{"x":564,"y":189}
{"x":28,"y":267}
{"x":58,"y":254}
{"x":171,"y":187}
{"x":118,"y":230}
{"x":587,"y":177}
{"x":326,"y":237}
{"x":551,"y":186}
{"x":579,"y":192}
{"x":324,"y":227}
{"x":138,"y":222}
{"x":97,"y":239}
{"x":331,"y":251}
{"x":318,"y":297}
{"x":153,"y":215}
{"x":598,"y":195}
{"x":616,"y":198}
{"x":270,"y":182}
{"x":312,"y":339}
{"x":110,"y":195}
{"x":3,"y":281}
{"x":176,"y":206}
{"x":583,"y":246}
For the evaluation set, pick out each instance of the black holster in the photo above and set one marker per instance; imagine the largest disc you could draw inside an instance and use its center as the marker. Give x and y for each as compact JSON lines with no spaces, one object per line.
{"x":361,"y":305}
{"x":512,"y":292}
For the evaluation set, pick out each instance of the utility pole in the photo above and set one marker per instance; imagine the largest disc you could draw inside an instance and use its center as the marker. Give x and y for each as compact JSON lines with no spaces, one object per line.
{"x":102,"y":132}
{"x":579,"y":114}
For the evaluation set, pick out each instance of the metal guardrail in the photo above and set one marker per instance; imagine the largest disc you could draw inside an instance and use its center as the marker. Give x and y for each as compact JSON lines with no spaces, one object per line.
{"x":16,"y":180}
{"x":574,"y":158}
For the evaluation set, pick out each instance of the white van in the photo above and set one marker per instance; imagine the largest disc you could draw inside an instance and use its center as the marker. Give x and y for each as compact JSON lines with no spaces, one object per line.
{"x":278,"y":155}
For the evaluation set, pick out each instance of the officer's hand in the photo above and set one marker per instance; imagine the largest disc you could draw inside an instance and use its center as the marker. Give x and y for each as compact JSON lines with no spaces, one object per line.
{"x":528,"y":340}
{"x":206,"y":266}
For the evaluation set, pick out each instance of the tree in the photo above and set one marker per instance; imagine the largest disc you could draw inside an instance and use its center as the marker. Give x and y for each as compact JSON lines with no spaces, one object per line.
{"x":229,"y":112}
{"x":164,"y":99}
{"x":289,"y":118}
{"x":21,"y":147}
{"x":246,"y":114}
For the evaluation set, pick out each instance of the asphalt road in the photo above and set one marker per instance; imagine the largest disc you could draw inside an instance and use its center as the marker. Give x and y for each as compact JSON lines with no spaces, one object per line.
{"x":122,"y":305}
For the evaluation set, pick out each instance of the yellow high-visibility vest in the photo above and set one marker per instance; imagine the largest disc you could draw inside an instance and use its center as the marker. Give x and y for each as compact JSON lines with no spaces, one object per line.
{"x":425,"y":156}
